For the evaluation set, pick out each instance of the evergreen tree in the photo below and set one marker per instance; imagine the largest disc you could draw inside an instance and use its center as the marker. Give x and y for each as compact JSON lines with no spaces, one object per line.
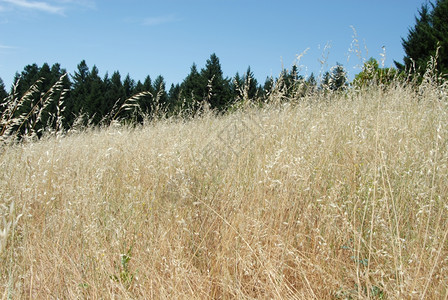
{"x":160,"y":94}
{"x":217,"y":88}
{"x":128,"y":86}
{"x":95,"y":101}
{"x":145,"y":102}
{"x":41,"y":103}
{"x":116,"y":89}
{"x":57,"y":98}
{"x":192,"y":90}
{"x":174,"y":102}
{"x":81,"y":75}
{"x":28,"y":77}
{"x":338,"y":78}
{"x":88,"y":94}
{"x":237,"y":86}
{"x":325,"y":83}
{"x":80,"y":89}
{"x":440,"y":25}
{"x":268,"y":85}
{"x":3,"y":95}
{"x":292,"y":83}
{"x":429,"y":32}
{"x":129,"y":91}
{"x":250,"y":84}
{"x":311,"y":84}
{"x":114,"y":93}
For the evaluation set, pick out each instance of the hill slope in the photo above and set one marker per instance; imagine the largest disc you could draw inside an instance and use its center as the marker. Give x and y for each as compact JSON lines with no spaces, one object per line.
{"x":336,"y":196}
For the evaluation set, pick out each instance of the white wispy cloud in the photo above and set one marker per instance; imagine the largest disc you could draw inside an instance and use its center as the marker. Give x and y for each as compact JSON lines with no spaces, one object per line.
{"x":37,"y":5}
{"x":6,"y":47}
{"x":58,"y":7}
{"x":84,"y":3}
{"x":159,"y":20}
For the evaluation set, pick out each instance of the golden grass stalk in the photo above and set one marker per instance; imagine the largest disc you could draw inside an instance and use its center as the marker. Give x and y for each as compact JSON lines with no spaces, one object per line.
{"x":334,"y":196}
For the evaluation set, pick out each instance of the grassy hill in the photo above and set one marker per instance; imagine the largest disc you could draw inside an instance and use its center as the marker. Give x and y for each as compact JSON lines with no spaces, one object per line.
{"x":335,"y":196}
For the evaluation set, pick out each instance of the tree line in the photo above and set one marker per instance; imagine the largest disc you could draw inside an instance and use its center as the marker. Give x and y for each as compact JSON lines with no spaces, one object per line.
{"x":95,"y":100}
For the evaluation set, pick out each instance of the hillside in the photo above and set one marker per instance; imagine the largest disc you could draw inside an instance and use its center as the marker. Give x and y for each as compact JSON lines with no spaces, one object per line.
{"x":336,"y":196}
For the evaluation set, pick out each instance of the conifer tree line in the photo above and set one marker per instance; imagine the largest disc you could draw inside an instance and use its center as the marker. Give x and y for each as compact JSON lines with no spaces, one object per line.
{"x":92,"y":99}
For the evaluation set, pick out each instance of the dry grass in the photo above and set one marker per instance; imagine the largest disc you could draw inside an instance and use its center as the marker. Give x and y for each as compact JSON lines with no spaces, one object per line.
{"x":334,"y":197}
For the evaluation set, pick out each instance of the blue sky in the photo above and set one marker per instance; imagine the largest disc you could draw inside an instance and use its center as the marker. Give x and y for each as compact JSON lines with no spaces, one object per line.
{"x":144,"y":37}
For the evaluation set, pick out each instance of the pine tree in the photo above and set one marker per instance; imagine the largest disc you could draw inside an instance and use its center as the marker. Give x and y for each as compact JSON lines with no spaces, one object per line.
{"x":250,"y":84}
{"x":114,"y":93}
{"x":145,"y":102}
{"x":237,"y":86}
{"x":80,"y":89}
{"x":338,"y":78}
{"x":128,"y":113}
{"x":174,"y":102}
{"x":88,"y":94}
{"x":192,"y":90}
{"x":94,"y":103}
{"x":311,"y":84}
{"x":129,"y":86}
{"x":116,"y":89}
{"x":268,"y":85}
{"x":160,"y":94}
{"x":42,"y":102}
{"x":325,"y":83}
{"x":217,"y":88}
{"x":56,"y":101}
{"x":3,"y":95}
{"x":28,"y":77}
{"x":291,"y":82}
{"x":440,"y":25}
{"x":429,"y":32}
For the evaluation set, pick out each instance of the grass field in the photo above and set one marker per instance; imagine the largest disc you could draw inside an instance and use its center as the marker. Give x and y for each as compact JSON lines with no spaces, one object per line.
{"x":335,"y":196}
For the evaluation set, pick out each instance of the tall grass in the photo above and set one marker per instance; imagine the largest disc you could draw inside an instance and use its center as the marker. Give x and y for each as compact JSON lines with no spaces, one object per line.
{"x":335,"y":196}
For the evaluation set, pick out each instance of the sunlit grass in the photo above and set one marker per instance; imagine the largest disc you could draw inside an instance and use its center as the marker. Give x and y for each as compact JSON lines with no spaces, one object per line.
{"x":333,"y":196}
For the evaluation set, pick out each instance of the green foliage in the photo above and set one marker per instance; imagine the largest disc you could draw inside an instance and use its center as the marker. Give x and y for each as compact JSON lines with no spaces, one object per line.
{"x":372,"y":74}
{"x":338,"y":78}
{"x":216,"y":87}
{"x":174,"y":100}
{"x":89,"y":99}
{"x":146,"y":101}
{"x":99,"y":101}
{"x":291,"y":83}
{"x":335,"y":79}
{"x":236,"y":86}
{"x":38,"y":92}
{"x":124,"y":274}
{"x":24,"y":116}
{"x":191,"y":90}
{"x":160,"y":104}
{"x":80,"y":91}
{"x":3,"y":95}
{"x":114,"y":91}
{"x":250,"y":84}
{"x":311,"y":84}
{"x":325,"y":83}
{"x":429,"y":33}
{"x":267,"y":88}
{"x":244,"y":88}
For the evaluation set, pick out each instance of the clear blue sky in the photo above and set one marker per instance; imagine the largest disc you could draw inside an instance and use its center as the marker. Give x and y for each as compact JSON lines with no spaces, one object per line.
{"x":145,"y":37}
